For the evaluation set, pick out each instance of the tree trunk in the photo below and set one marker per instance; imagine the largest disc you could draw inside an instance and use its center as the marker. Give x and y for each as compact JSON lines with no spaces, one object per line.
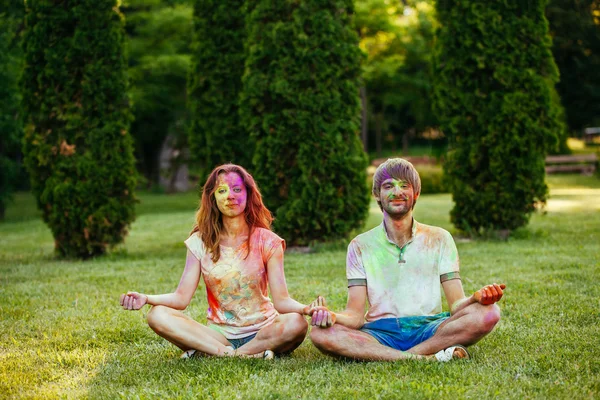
{"x":405,"y":140}
{"x":378,"y":120}
{"x":364,"y":123}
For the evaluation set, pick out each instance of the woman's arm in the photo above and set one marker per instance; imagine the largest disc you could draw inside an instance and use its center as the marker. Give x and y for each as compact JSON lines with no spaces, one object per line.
{"x":179,"y":299}
{"x":281,"y":298}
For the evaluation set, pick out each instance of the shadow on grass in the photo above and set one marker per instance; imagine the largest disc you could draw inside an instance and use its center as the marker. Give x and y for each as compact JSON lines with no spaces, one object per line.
{"x":155,"y":371}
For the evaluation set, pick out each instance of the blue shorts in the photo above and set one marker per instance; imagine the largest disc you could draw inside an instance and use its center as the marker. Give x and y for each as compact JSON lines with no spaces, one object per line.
{"x":404,"y":333}
{"x":237,"y":343}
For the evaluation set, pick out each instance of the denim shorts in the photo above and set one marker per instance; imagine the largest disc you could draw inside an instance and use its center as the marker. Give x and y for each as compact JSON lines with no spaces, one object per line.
{"x":237,"y":343}
{"x":404,"y":333}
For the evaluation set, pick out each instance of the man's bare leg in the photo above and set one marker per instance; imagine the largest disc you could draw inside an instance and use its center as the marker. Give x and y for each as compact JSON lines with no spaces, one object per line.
{"x":466,"y":327}
{"x":345,"y":342}
{"x":186,"y":333}
{"x":284,"y":335}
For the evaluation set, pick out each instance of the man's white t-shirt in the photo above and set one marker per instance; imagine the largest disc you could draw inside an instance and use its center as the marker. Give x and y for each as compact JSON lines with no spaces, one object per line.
{"x":402,"y":282}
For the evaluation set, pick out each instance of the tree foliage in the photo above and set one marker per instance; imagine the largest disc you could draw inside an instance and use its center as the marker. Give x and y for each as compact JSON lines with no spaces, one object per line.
{"x":158,"y":41}
{"x":575,"y":31}
{"x":10,"y":124}
{"x":300,"y":103}
{"x":493,"y":95}
{"x":397,"y":38}
{"x":215,"y":81}
{"x":77,"y":146}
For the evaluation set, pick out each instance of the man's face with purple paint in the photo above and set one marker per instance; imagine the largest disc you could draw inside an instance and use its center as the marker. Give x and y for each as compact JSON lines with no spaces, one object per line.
{"x":396,"y":197}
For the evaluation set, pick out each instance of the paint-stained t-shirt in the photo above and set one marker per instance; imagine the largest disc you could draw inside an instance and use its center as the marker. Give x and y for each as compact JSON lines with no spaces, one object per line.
{"x":402,"y":282}
{"x":236,"y":285}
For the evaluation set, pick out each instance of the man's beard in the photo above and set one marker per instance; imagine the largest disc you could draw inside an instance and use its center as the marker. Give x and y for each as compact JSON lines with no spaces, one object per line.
{"x":396,"y":212}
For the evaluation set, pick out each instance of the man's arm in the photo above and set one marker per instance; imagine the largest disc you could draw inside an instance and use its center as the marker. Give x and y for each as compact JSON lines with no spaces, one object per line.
{"x":352,"y":317}
{"x":455,"y":295}
{"x":354,"y":314}
{"x":457,"y":300}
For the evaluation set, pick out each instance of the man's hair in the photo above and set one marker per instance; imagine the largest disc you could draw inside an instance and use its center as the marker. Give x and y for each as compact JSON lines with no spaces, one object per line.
{"x":396,"y":168}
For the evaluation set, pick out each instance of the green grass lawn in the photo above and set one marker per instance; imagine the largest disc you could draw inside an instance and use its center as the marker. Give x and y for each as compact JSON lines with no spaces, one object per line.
{"x":63,"y":334}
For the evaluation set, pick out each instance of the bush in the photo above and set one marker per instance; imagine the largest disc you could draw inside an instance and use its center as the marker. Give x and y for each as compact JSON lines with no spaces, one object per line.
{"x":432,"y":179}
{"x":576,"y":49}
{"x":214,"y":85}
{"x":300,"y":103}
{"x":77,"y":148}
{"x":493,"y":95}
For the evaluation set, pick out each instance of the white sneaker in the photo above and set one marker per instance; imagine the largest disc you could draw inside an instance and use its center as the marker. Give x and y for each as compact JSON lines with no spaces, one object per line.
{"x":189,"y":354}
{"x":453,"y":352}
{"x":268,"y":355}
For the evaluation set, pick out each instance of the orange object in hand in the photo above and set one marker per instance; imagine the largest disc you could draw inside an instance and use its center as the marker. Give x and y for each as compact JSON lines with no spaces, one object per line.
{"x":489,"y":294}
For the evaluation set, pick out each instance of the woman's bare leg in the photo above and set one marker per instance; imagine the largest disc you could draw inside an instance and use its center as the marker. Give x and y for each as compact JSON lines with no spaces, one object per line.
{"x":186,"y":333}
{"x":284,"y":335}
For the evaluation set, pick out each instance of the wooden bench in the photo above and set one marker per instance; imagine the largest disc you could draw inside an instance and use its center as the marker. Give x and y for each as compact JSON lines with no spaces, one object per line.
{"x":582,"y":163}
{"x":420,"y":160}
{"x":591,"y":135}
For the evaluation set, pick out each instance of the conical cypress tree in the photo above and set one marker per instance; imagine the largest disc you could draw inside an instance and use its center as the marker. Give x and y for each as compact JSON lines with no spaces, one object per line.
{"x":77,"y":147}
{"x":300,"y":102}
{"x":214,"y":85}
{"x":494,"y":83}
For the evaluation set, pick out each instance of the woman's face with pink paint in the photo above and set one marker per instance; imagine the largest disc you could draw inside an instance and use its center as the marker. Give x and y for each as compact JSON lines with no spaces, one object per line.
{"x":231,"y":194}
{"x":397,"y":197}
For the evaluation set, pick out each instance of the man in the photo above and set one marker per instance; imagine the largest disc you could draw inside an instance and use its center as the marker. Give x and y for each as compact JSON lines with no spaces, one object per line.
{"x":398,"y":266}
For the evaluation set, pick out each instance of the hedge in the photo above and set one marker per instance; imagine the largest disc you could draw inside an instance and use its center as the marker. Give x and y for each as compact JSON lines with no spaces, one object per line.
{"x":493,"y":90}
{"x":300,"y":104}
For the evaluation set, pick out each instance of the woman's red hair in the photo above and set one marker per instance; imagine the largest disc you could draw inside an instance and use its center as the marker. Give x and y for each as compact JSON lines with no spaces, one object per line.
{"x":209,"y":223}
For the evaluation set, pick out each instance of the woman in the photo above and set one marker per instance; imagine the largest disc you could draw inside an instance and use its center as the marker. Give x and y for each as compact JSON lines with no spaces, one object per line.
{"x":234,"y":250}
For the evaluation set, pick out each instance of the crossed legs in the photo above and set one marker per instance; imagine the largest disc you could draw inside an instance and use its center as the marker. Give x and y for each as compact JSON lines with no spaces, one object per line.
{"x":466,"y":327}
{"x":285,"y":333}
{"x":351,"y":343}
